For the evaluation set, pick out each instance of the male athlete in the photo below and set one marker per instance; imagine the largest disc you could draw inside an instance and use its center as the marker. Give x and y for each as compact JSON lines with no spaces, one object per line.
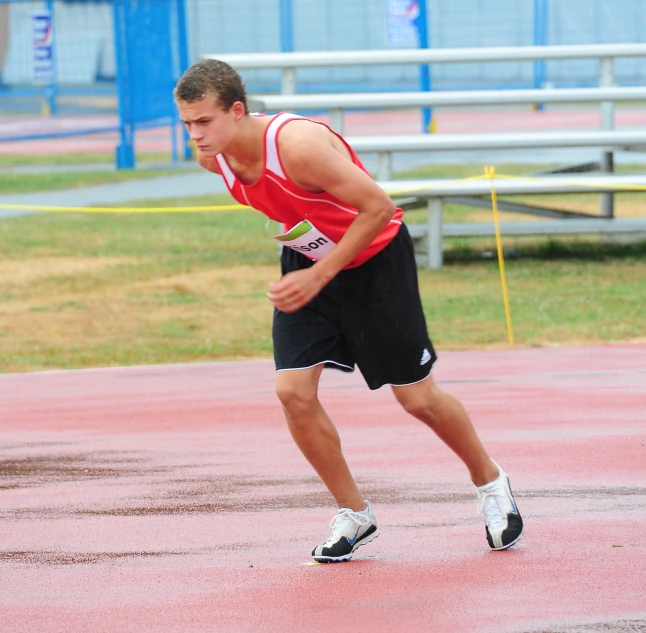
{"x":348,"y":292}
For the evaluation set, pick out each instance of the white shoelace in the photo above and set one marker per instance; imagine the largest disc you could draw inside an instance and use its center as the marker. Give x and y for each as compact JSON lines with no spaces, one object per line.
{"x":339,"y":524}
{"x":493,"y":513}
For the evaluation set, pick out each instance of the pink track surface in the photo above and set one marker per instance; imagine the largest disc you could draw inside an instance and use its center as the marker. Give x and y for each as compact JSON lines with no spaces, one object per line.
{"x":172,"y":499}
{"x":356,"y":123}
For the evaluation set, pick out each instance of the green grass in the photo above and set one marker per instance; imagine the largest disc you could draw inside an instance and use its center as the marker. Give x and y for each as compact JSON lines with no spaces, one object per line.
{"x":11,"y":183}
{"x":191,"y":287}
{"x":470,"y":170}
{"x":464,"y":171}
{"x":581,"y":295}
{"x":226,"y":238}
{"x":45,"y":160}
{"x":85,"y":290}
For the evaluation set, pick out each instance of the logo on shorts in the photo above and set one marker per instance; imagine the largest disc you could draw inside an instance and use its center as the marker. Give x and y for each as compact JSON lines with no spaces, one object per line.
{"x":426,"y":356}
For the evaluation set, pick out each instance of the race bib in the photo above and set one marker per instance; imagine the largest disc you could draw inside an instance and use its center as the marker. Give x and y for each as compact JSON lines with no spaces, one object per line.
{"x":307,"y":239}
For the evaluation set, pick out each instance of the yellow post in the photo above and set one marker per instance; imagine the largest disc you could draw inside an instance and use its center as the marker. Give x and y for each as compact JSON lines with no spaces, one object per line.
{"x":490,"y":172}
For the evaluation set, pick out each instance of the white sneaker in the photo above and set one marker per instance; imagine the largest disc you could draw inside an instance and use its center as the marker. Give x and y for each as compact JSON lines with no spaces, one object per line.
{"x":350,"y":530}
{"x":504,"y":524}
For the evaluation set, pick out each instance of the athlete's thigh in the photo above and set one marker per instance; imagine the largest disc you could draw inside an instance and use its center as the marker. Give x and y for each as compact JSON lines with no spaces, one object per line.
{"x":386,"y":327}
{"x":309,"y":337}
{"x":300,"y":383}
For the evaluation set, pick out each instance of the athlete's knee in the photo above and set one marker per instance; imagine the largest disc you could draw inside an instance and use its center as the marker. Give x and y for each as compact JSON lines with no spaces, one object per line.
{"x":420,"y":401}
{"x":296,"y":399}
{"x":422,"y":409}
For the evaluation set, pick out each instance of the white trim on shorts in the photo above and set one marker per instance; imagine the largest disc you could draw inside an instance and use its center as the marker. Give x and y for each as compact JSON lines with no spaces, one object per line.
{"x":323,"y":362}
{"x":407,"y":384}
{"x":333,"y":362}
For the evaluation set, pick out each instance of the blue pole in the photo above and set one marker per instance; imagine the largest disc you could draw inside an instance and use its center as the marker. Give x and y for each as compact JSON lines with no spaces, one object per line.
{"x":125,"y":154}
{"x":173,"y":139}
{"x":424,"y":71}
{"x":286,"y":26}
{"x":187,"y":150}
{"x":50,"y":89}
{"x":540,"y":39}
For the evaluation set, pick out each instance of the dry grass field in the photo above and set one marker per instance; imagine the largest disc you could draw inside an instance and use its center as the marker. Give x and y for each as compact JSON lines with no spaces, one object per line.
{"x":84,"y":290}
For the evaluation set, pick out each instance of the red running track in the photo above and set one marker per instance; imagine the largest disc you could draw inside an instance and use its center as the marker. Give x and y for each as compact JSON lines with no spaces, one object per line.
{"x":171,"y":499}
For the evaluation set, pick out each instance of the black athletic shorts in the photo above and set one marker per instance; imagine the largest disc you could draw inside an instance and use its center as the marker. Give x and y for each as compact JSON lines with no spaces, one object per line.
{"x":370,"y":316}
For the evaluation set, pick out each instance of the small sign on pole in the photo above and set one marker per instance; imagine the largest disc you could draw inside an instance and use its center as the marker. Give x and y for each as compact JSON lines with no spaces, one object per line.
{"x":43,"y":47}
{"x":401,"y":22}
{"x":407,"y":24}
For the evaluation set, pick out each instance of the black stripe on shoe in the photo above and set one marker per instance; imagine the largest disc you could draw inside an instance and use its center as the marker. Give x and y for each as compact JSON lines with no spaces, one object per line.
{"x":342,"y":550}
{"x":511,"y":535}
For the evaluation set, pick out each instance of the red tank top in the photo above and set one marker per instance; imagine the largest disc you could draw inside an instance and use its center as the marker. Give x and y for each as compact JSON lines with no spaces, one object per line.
{"x":275,"y":195}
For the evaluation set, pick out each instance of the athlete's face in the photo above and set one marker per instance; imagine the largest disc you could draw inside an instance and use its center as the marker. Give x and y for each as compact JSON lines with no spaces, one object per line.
{"x":209,"y":126}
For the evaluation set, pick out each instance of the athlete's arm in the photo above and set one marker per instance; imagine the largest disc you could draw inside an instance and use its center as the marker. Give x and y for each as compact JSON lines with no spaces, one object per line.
{"x":316,"y":160}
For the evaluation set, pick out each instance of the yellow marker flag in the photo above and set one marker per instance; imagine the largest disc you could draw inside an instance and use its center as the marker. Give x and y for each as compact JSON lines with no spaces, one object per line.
{"x":490,"y":172}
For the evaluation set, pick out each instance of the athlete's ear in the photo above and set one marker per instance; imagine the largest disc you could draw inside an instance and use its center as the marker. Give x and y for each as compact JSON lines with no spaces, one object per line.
{"x":238,"y":110}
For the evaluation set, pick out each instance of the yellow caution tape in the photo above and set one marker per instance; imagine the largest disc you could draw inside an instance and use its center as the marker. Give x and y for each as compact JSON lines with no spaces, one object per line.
{"x":490,"y":172}
{"x":234,"y":207}
{"x":33,"y":207}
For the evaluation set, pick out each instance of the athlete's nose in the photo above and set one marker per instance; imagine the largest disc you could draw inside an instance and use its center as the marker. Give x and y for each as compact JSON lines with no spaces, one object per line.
{"x":196,"y":133}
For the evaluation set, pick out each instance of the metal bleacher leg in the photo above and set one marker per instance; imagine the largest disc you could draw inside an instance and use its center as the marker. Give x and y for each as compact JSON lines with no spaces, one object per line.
{"x":288,"y":82}
{"x":434,"y":233}
{"x":336,"y":120}
{"x":607,"y":80}
{"x":385,"y":166}
{"x":607,"y":199}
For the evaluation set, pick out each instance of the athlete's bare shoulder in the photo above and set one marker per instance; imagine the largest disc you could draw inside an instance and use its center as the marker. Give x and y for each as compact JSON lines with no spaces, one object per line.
{"x":301,"y":141}
{"x":301,"y":134}
{"x":208,"y":163}
{"x":317,"y":159}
